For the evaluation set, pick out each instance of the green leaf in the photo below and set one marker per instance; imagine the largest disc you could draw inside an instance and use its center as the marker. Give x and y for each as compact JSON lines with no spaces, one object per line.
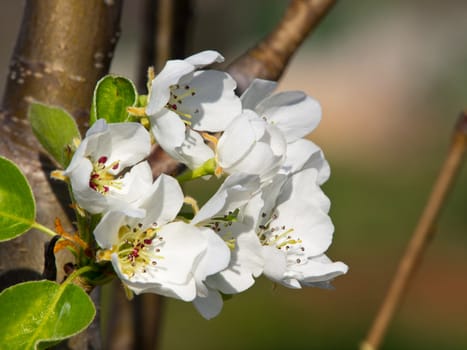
{"x":39,"y":314}
{"x":112,"y":96}
{"x":55,"y":130}
{"x":17,"y":206}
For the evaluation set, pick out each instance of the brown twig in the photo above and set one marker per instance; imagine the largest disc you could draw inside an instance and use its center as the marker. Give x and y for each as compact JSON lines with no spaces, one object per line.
{"x":269,"y":58}
{"x":421,"y":235}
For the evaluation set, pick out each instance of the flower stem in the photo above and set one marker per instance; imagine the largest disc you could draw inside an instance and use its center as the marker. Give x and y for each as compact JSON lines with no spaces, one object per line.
{"x":421,"y":236}
{"x":44,"y":229}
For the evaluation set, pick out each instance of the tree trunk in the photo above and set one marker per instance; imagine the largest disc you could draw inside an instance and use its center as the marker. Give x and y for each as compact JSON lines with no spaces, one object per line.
{"x":62,"y":49}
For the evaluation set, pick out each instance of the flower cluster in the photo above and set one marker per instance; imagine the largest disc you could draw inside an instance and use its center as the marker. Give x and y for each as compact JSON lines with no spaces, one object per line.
{"x":268,"y":217}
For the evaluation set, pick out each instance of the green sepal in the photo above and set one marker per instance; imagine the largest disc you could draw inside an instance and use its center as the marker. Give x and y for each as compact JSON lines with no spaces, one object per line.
{"x":40,"y":314}
{"x":112,"y":96}
{"x":208,"y":168}
{"x":55,"y":129}
{"x":17,"y":205}
{"x":142,"y":100}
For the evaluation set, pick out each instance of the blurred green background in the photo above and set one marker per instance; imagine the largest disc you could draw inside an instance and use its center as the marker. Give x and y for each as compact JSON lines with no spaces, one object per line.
{"x":392,"y":79}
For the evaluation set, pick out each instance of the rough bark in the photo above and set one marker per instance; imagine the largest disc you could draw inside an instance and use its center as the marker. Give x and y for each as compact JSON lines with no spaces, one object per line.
{"x":62,"y":49}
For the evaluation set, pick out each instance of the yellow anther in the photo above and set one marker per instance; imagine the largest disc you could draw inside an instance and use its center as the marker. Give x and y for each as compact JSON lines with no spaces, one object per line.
{"x":137,"y":111}
{"x":210,"y":138}
{"x":58,"y":175}
{"x":104,"y":255}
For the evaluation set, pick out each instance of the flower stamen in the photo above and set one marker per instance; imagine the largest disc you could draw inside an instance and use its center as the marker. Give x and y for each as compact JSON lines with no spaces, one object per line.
{"x":101,"y":179}
{"x":138,"y":249}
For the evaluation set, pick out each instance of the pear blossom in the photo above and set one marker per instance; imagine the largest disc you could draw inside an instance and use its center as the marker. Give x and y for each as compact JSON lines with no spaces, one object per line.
{"x":158,"y":254}
{"x":303,"y":154}
{"x":223,"y":213}
{"x":258,"y":141}
{"x":183,"y":99}
{"x":251,"y":145}
{"x":293,"y":112}
{"x":107,"y":172}
{"x":295,"y":230}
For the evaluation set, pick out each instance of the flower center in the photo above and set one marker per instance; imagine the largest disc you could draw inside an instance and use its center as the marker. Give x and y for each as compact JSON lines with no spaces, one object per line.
{"x":177,"y":95}
{"x":221,"y":226}
{"x":100,"y":179}
{"x":138,"y":249}
{"x":281,"y":238}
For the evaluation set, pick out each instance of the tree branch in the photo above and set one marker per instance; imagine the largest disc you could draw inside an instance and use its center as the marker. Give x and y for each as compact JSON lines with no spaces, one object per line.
{"x":421,"y":236}
{"x":269,"y":58}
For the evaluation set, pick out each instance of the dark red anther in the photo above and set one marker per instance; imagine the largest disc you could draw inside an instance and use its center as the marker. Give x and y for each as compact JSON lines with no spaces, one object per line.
{"x":102,"y":160}
{"x":174,"y":106}
{"x":106,"y":188}
{"x":94,"y":175}
{"x":115,"y":166}
{"x":92,"y":185}
{"x":135,"y":253}
{"x":147,"y":241}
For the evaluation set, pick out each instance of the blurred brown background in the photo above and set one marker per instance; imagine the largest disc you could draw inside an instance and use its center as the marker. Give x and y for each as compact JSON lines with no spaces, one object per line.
{"x":392,"y":78}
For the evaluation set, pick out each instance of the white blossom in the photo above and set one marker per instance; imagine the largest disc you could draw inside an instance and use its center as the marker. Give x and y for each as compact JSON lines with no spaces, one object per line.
{"x":295,"y":230}
{"x":223,"y":213}
{"x":106,"y":172}
{"x":157,"y":253}
{"x":251,"y":145}
{"x":183,"y":99}
{"x":293,"y":112}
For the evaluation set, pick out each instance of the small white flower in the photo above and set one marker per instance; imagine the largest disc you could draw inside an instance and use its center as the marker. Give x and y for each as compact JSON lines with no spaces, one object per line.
{"x":251,"y":145}
{"x":295,"y":230}
{"x":223,"y":213}
{"x":303,"y":154}
{"x":183,"y":98}
{"x":293,"y":112}
{"x":97,"y":171}
{"x":155,"y":254}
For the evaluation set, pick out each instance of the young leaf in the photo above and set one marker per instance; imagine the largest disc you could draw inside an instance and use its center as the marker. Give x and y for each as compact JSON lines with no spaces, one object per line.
{"x":112,"y":96}
{"x":39,"y":314}
{"x":17,"y":206}
{"x":54,"y":128}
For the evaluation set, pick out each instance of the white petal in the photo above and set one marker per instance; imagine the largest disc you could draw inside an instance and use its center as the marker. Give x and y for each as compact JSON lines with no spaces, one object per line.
{"x":214,"y":104}
{"x":246,"y":262}
{"x":215,"y":259}
{"x":136,"y":184}
{"x":302,"y":188}
{"x":171,"y":74}
{"x":235,"y":192}
{"x":295,"y":113}
{"x":163,"y":202}
{"x":204,"y":58}
{"x":275,"y":263}
{"x":193,"y":152}
{"x":85,"y":196}
{"x":99,"y":126}
{"x":303,"y":154}
{"x":236,"y":141}
{"x":130,"y":143}
{"x":106,"y":232}
{"x":319,"y":270}
{"x":169,"y":130}
{"x":310,"y":224}
{"x":209,"y":306}
{"x":185,"y":292}
{"x":258,"y":90}
{"x":260,"y":161}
